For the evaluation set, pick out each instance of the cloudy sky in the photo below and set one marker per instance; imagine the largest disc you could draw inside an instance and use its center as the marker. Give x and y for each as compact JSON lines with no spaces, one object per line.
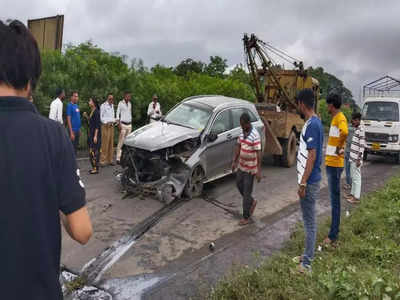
{"x":358,"y":41}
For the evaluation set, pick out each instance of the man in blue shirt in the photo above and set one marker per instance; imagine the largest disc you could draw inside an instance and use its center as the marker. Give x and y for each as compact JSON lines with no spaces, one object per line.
{"x":309,"y":159}
{"x":74,"y":120}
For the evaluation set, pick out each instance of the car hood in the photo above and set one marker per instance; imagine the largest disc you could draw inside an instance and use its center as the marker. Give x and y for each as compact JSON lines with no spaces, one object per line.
{"x":159,"y":135}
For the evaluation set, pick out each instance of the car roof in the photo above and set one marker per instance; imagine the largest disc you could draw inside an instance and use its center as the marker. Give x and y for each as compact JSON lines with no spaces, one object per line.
{"x":382,"y":99}
{"x":216,"y":101}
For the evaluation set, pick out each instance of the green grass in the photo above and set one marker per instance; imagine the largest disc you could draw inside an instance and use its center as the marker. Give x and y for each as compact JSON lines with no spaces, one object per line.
{"x":365,"y":265}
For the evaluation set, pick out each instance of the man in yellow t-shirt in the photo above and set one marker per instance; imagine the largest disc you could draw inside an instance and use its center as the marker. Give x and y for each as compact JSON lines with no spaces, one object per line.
{"x":334,"y":161}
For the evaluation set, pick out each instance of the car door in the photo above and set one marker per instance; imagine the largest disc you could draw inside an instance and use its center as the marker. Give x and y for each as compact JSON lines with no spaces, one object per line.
{"x":218,"y":154}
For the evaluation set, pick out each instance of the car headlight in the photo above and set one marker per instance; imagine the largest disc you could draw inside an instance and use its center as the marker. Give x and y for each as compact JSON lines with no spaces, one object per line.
{"x":393,"y":138}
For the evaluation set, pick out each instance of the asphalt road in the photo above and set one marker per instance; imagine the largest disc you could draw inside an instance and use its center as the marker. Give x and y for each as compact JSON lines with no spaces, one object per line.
{"x":175,"y":250}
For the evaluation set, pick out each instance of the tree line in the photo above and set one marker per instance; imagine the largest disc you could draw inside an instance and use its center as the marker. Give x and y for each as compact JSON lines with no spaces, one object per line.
{"x":94,"y":72}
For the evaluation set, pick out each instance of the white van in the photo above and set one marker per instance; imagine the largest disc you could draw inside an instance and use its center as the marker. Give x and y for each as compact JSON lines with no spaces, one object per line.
{"x":381,"y":120}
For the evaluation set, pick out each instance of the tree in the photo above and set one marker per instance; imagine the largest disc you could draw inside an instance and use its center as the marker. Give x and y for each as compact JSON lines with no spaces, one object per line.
{"x":189,"y":66}
{"x":216,"y":67}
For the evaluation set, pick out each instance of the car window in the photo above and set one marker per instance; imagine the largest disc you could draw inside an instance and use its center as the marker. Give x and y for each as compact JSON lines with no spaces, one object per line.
{"x":237,"y":112}
{"x":189,"y":115}
{"x":222,"y":123}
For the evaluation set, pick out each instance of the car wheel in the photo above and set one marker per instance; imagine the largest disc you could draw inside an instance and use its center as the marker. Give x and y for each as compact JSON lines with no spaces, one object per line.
{"x":289,"y":150}
{"x":194,"y":187}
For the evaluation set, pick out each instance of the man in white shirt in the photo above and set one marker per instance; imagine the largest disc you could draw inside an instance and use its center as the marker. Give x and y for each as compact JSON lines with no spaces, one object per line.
{"x":124,"y":119}
{"x":154,"y":110}
{"x":56,"y":107}
{"x":107,"y":118}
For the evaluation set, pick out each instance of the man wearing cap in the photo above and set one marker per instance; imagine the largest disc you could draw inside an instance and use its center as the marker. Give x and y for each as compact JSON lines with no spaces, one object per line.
{"x":124,"y":119}
{"x":154,"y":110}
{"x":309,"y":159}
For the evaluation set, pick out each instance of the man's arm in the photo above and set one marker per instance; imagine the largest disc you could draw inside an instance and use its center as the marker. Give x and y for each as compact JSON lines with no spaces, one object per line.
{"x":259,"y":158}
{"x":51,"y":113}
{"x":118,"y":117}
{"x":236,"y":157}
{"x":150,"y":110}
{"x":103,"y":121}
{"x":344,"y":131}
{"x":78,"y":225}
{"x":312,"y":156}
{"x":59,"y":113}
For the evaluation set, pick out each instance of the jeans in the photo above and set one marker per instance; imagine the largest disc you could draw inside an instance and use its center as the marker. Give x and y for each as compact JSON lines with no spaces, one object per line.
{"x":333,"y":174}
{"x":75,"y":142}
{"x":309,"y":218}
{"x":244,"y":182}
{"x":347,"y":167}
{"x":356,"y":180}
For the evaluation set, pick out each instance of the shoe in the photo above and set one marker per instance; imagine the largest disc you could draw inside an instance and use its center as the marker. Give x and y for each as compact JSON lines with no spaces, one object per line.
{"x":253,"y":207}
{"x":353,"y":200}
{"x":304,"y":269}
{"x":244,"y":222}
{"x":94,"y":171}
{"x":328,"y":242}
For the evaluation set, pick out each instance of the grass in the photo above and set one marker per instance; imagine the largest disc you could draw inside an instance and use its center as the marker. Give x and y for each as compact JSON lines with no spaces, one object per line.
{"x":365,"y":265}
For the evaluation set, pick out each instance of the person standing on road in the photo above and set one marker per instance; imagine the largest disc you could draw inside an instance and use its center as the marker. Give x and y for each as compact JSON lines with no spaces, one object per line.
{"x":334,"y":161}
{"x":74,"y":120}
{"x":309,"y":157}
{"x":39,"y":179}
{"x":124,"y":119}
{"x":347,"y":185}
{"x":154,"y":110}
{"x":94,"y":136}
{"x":56,"y":107}
{"x":247,"y":160}
{"x":107,"y":117}
{"x":356,"y":158}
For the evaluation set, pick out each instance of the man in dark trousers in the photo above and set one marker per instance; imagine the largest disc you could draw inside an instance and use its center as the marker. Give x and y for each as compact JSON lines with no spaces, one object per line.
{"x":248,"y":161}
{"x":39,"y":179}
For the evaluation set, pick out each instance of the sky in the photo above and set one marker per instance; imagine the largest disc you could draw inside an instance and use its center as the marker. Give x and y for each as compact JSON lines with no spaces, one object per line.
{"x":356,"y":40}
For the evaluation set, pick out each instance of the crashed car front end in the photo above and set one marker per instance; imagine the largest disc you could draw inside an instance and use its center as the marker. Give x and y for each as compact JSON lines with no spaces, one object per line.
{"x":158,"y":170}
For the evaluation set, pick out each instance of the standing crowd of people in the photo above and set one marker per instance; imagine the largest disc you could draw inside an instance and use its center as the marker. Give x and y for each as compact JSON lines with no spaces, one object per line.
{"x":102,"y":120}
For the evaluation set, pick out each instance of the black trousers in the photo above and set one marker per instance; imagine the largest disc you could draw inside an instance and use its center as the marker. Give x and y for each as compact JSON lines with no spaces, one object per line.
{"x":244,"y":183}
{"x":94,"y":155}
{"x":75,"y":142}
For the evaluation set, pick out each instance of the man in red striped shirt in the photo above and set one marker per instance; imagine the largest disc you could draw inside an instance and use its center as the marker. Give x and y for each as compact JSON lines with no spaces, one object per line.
{"x":248,"y":162}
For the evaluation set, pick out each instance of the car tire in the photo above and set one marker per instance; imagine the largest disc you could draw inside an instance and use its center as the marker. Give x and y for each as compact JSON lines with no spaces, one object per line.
{"x":289,"y":147}
{"x":194,"y":187}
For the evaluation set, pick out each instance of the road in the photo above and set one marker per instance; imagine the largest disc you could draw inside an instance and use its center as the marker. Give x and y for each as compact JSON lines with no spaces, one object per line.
{"x":178,"y":243}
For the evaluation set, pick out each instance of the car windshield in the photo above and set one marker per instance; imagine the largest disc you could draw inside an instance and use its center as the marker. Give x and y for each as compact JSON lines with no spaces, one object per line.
{"x":189,"y":115}
{"x":381,"y":111}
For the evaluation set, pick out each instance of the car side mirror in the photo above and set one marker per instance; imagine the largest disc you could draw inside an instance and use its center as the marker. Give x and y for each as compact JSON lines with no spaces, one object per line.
{"x":212,"y":137}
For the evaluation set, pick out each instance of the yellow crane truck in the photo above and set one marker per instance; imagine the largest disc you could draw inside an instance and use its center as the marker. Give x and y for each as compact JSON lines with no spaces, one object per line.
{"x":276,"y":89}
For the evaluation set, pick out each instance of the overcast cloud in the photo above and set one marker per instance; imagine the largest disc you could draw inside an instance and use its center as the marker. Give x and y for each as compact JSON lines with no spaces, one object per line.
{"x":358,"y":41}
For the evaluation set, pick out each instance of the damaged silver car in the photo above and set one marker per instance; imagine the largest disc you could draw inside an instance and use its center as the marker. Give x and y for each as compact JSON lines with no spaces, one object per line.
{"x":192,"y":145}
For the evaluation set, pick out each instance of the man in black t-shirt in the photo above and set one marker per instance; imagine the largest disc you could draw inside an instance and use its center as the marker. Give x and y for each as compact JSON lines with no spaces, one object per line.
{"x":39,"y":178}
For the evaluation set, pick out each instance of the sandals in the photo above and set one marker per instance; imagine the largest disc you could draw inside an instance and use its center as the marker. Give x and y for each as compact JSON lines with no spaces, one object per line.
{"x":328,"y":242}
{"x":94,"y":171}
{"x":353,"y":200}
{"x":244,"y":222}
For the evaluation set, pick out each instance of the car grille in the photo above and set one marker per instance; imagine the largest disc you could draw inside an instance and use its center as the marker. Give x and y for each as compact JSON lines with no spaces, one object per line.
{"x":376,"y":137}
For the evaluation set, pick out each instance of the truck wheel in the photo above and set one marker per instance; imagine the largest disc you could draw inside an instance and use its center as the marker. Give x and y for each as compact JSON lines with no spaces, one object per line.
{"x":289,"y":150}
{"x":194,"y":187}
{"x":365,"y":156}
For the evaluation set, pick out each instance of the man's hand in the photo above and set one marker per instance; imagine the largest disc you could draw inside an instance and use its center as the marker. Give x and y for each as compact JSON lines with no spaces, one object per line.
{"x":258,"y":175}
{"x":119,"y":126}
{"x":234,"y":166}
{"x":302,"y":192}
{"x":358,"y":163}
{"x":339,"y":151}
{"x":85,"y":115}
{"x":72,"y":134}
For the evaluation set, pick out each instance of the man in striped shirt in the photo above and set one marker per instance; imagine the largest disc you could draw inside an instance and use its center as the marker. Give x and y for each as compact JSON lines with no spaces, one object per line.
{"x":334,"y":161}
{"x":356,"y":155}
{"x":309,"y":157}
{"x":248,"y":161}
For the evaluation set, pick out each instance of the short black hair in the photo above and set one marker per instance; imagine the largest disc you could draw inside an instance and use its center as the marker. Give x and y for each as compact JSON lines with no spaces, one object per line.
{"x":59,"y":91}
{"x":126,"y":93}
{"x":306,"y":96}
{"x":335,"y":100}
{"x":74,"y":92}
{"x":96,"y":102}
{"x":20,"y":61}
{"x":245,"y":117}
{"x":356,"y":116}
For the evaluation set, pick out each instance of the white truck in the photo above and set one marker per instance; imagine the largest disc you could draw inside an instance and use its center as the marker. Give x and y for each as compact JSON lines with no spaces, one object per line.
{"x":381,"y":117}
{"x":381,"y":120}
